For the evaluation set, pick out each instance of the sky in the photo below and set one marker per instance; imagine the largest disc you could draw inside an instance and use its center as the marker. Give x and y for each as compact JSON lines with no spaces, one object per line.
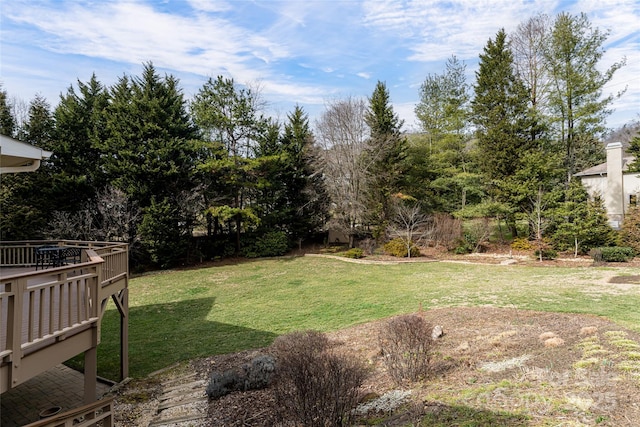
{"x":297,"y":52}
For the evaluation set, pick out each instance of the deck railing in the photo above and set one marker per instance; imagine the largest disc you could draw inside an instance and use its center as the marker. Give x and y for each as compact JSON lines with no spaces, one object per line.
{"x":99,"y":413}
{"x":61,"y":305}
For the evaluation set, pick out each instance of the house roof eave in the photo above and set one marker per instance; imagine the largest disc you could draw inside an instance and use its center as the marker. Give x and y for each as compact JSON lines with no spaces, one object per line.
{"x":17,"y":156}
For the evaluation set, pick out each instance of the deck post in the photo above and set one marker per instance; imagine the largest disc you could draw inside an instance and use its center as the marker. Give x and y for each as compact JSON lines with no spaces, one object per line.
{"x":90,"y":374}
{"x":124,"y":334}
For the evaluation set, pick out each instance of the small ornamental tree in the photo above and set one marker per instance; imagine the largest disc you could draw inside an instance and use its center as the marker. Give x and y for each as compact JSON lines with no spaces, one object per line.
{"x":409,"y":226}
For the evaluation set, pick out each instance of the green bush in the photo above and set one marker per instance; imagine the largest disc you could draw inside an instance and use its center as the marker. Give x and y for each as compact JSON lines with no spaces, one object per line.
{"x":612,"y":254}
{"x":462,"y":249}
{"x":398,"y":248}
{"x":354,"y":253}
{"x":273,"y":243}
{"x":547,"y":254}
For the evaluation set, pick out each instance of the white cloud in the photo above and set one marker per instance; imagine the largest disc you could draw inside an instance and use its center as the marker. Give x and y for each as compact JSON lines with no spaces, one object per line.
{"x":209,"y":5}
{"x":135,"y":33}
{"x":301,"y":51}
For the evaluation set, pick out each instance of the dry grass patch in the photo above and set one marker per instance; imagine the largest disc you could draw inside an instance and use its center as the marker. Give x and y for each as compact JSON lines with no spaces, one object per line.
{"x":535,"y":385}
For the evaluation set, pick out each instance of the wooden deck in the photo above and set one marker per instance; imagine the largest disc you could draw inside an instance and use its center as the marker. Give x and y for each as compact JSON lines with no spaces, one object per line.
{"x":51,"y":315}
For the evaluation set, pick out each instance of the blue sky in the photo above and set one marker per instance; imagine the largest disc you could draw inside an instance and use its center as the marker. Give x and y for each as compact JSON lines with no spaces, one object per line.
{"x":306,"y":52}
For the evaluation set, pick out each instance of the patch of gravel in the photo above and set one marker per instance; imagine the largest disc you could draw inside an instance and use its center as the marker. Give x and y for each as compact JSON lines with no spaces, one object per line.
{"x":515,"y":362}
{"x":388,"y":402}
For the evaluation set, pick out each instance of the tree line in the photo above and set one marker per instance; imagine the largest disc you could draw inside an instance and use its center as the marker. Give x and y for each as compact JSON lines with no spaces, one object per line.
{"x":183,"y":180}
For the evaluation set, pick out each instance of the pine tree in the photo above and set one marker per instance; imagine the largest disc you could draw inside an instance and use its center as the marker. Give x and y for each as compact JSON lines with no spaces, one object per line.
{"x":25,"y":199}
{"x":500,"y":115}
{"x":582,"y":223}
{"x":499,"y":111}
{"x":150,"y":155}
{"x":148,"y":146}
{"x":230,"y":121}
{"x":572,"y":54}
{"x":80,"y":127}
{"x":443,"y":112}
{"x":7,"y":121}
{"x":305,"y":208}
{"x":385,"y":152}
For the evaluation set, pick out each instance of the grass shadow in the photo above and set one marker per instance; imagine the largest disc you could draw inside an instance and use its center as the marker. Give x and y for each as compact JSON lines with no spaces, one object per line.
{"x":163,"y":334}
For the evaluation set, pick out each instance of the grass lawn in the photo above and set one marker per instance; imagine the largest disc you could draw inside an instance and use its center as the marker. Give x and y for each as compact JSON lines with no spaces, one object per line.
{"x":180,"y":315}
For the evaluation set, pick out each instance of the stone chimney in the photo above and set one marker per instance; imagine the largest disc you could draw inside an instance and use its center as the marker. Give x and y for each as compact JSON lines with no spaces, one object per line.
{"x":614,"y":196}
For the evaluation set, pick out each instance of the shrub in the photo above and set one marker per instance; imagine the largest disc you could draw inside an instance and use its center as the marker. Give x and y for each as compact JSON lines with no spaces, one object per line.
{"x":315,"y":386}
{"x":254,"y":375}
{"x":521,"y":244}
{"x":630,"y":232}
{"x":406,"y":344}
{"x":368,"y":246}
{"x":273,"y":243}
{"x":257,"y":373}
{"x":463,"y":247}
{"x":398,"y":248}
{"x":547,"y":253}
{"x":354,"y":253}
{"x":222,"y":383}
{"x":446,"y":230}
{"x":612,"y":254}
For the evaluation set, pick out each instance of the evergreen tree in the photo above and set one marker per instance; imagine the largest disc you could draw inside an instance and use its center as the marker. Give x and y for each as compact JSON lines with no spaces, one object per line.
{"x":40,"y":126}
{"x":7,"y":121}
{"x":149,"y":154}
{"x":581,"y":223}
{"x":26,"y":205}
{"x":444,"y":99}
{"x":80,"y":127}
{"x":572,"y":54}
{"x":305,"y":210}
{"x":386,"y":152}
{"x":231,"y":123}
{"x":634,"y":150}
{"x":500,"y":115}
{"x":499,"y":111}
{"x":443,"y":112}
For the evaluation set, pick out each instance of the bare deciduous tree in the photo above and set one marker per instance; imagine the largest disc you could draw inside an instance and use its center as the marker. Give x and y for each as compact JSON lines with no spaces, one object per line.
{"x":410,"y":225}
{"x":118,"y":216}
{"x":72,"y":225}
{"x":527,"y":44}
{"x":342,"y":135}
{"x":538,"y":220}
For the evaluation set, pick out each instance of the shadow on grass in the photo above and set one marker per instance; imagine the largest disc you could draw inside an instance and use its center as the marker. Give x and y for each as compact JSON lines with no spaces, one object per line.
{"x":161,"y":335}
{"x":440,"y":415}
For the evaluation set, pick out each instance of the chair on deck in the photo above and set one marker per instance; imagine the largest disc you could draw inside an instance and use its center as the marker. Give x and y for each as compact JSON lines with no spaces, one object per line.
{"x":48,"y":256}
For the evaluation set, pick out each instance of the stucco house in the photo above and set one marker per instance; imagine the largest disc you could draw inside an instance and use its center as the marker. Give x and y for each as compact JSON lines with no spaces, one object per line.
{"x":614,"y":183}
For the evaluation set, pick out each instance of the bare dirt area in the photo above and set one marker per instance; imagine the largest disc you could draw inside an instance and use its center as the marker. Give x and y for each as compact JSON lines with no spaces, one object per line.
{"x":492,"y":367}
